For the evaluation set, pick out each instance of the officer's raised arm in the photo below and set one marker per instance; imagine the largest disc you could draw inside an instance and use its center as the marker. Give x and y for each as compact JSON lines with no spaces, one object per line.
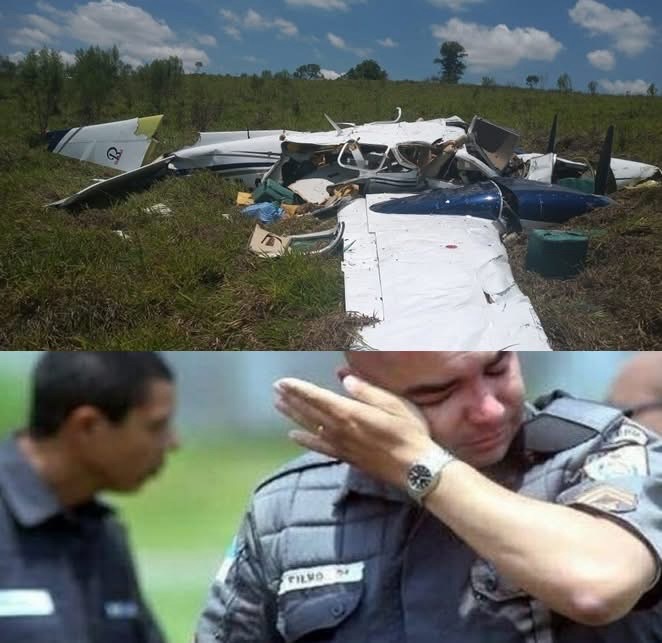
{"x":577,"y":533}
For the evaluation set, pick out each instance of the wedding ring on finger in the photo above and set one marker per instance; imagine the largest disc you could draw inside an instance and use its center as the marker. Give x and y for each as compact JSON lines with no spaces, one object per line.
{"x":319,"y":430}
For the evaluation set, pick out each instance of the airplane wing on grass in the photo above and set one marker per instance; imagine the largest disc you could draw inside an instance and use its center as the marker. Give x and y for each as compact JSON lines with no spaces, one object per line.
{"x":121,"y":145}
{"x":116,"y":185}
{"x":433,"y":282}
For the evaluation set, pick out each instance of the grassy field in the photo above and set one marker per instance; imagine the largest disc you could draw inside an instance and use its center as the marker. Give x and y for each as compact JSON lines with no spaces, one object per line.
{"x":187,"y":281}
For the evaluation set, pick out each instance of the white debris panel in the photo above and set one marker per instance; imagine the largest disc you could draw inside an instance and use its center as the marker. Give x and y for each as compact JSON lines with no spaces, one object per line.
{"x":434,"y":282}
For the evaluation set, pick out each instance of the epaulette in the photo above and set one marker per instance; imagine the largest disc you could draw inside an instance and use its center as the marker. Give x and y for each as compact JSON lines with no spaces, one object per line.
{"x":310,"y":460}
{"x":564,"y":422}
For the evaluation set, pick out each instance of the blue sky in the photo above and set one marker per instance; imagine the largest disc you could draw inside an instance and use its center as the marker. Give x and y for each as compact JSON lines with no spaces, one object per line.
{"x":614,"y":42}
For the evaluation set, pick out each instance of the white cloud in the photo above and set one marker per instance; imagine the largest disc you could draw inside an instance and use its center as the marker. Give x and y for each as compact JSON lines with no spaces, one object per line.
{"x":233,"y":32}
{"x":48,"y":8}
{"x":387,"y":42}
{"x":339,"y":43}
{"x":329,"y":74}
{"x":498,"y":47}
{"x":139,"y":36}
{"x":254,"y":21}
{"x":327,"y":5}
{"x":67,"y":57}
{"x":16,"y":57}
{"x":624,"y":86}
{"x":206,"y":40}
{"x":454,"y":5}
{"x":286,"y":27}
{"x":601,"y":59}
{"x":30,"y":38}
{"x":230,"y":16}
{"x":630,"y":32}
{"x":43,"y":24}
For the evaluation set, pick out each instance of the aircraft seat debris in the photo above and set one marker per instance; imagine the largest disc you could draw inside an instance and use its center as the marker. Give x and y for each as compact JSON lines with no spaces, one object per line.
{"x":272,"y":191}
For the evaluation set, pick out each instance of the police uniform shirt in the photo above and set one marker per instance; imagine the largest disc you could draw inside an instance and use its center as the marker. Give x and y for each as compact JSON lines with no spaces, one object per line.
{"x":328,"y":555}
{"x":66,"y":576}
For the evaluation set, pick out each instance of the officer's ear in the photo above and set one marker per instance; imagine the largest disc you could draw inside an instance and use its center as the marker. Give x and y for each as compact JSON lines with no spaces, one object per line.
{"x":83,"y":424}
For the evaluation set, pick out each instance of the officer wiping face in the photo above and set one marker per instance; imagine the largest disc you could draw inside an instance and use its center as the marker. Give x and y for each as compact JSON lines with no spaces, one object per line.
{"x":398,"y":529}
{"x":472,"y":401}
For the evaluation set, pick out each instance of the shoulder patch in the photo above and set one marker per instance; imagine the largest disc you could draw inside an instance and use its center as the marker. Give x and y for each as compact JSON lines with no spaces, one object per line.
{"x":604,"y":498}
{"x":228,"y":561}
{"x":630,"y":460}
{"x":307,"y":461}
{"x":628,"y":432}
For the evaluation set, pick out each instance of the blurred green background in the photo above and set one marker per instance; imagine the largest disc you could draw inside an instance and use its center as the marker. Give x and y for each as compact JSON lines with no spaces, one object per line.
{"x":182,"y":523}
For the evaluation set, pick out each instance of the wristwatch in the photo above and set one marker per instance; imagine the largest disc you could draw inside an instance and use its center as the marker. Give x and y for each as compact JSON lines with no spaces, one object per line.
{"x":424,"y":473}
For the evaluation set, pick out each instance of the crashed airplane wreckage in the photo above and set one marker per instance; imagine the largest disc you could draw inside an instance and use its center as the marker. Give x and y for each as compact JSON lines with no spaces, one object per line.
{"x":248,"y":156}
{"x":385,"y":156}
{"x":440,"y":278}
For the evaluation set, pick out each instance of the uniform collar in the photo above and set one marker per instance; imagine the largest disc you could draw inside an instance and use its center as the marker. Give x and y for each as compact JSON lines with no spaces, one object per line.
{"x":29,"y":498}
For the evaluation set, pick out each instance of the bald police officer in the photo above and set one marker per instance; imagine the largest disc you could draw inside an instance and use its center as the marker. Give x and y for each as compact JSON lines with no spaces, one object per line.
{"x":462,"y":516}
{"x":98,"y":421}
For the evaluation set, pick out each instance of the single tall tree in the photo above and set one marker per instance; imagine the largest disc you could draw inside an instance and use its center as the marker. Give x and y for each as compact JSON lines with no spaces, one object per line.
{"x":532,"y":81}
{"x":564,"y":83}
{"x":452,"y":64}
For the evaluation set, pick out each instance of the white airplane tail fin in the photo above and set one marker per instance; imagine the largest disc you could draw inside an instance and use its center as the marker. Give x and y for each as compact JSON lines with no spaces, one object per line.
{"x":121,"y":145}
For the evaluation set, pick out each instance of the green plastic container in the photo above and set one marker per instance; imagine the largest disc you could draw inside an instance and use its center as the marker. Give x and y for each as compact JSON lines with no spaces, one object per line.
{"x":581,"y":184}
{"x":556,"y":253}
{"x":274,"y":192}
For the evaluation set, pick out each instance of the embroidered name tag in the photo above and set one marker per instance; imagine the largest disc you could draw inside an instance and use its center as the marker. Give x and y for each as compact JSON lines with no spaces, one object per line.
{"x":308,"y":577}
{"x":121,"y":609}
{"x":26,"y":602}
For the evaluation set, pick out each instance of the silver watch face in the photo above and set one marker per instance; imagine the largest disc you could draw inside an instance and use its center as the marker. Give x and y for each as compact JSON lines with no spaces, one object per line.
{"x":419,"y":477}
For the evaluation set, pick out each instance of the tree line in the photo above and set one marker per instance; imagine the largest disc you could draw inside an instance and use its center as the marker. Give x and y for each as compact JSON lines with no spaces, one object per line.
{"x":97,"y":75}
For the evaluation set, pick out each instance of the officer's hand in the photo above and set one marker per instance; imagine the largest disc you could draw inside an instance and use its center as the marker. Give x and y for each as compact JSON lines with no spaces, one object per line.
{"x":377,"y":431}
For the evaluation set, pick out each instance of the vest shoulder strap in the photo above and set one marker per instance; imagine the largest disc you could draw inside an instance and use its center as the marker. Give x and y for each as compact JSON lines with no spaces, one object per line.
{"x":564,"y":422}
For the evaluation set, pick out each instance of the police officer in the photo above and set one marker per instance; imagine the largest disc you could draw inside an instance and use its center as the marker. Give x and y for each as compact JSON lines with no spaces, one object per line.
{"x":638,"y":388}
{"x":98,"y":421}
{"x":462,"y":518}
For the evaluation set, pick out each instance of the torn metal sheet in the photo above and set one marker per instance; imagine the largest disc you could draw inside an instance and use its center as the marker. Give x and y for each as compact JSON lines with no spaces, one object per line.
{"x":115,"y":185}
{"x":121,"y":145}
{"x":434,"y":282}
{"x":375,"y":154}
{"x":267,"y":244}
